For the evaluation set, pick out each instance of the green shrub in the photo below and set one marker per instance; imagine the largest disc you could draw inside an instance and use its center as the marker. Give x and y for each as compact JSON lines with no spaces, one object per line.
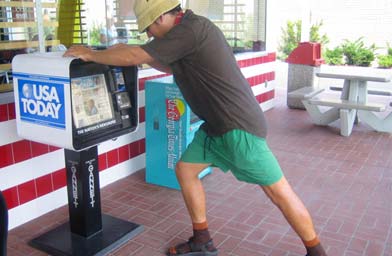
{"x":334,"y":56}
{"x":385,"y":61}
{"x":357,"y":54}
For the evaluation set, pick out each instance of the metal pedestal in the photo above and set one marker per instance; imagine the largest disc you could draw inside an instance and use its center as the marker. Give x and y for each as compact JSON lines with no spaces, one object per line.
{"x":88,"y":232}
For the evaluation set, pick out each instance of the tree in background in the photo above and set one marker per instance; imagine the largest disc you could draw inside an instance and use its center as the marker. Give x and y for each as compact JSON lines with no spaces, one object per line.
{"x":314,"y":34}
{"x":94,"y":33}
{"x":291,"y":37}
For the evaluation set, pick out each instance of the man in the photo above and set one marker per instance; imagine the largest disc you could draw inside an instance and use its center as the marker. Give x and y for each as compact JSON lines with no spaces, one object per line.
{"x":233,"y":135}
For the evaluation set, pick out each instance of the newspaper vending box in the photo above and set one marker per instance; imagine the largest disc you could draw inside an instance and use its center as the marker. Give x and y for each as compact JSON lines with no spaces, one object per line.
{"x":170,"y":127}
{"x":76,"y":105}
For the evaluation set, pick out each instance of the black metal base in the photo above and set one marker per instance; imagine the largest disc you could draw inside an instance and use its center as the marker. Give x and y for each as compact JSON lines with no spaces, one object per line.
{"x":60,"y":241}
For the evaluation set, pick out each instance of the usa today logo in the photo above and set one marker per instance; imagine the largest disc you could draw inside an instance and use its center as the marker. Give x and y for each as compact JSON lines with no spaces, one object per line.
{"x":42,"y":102}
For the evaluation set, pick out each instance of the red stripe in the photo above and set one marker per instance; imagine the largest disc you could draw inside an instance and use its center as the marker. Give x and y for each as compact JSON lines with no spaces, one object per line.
{"x":261,"y":78}
{"x":6,"y":157}
{"x":21,"y":150}
{"x":123,"y":153}
{"x":142,"y":81}
{"x":112,"y":157}
{"x":7,"y":112}
{"x":265,"y":96}
{"x":38,"y":149}
{"x":102,"y":162}
{"x":142,"y":114}
{"x":44,"y":185}
{"x":59,"y":179}
{"x":3,"y":113}
{"x":11,"y":111}
{"x":27,"y":191}
{"x":271,"y":57}
{"x":11,"y":197}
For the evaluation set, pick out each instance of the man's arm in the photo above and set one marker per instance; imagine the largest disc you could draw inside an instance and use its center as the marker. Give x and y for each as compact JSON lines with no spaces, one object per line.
{"x":159,"y":66}
{"x":119,"y":55}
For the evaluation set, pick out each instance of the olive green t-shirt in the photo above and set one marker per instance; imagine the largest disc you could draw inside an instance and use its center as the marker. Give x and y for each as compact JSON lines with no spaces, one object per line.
{"x":208,"y":76}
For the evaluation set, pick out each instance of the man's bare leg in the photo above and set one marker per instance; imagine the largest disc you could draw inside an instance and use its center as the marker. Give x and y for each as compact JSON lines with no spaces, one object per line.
{"x":195,"y":201}
{"x":295,"y":212}
{"x":192,"y":189}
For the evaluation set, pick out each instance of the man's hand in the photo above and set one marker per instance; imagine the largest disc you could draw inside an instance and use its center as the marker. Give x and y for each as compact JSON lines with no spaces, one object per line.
{"x":116,"y":55}
{"x":80,"y":52}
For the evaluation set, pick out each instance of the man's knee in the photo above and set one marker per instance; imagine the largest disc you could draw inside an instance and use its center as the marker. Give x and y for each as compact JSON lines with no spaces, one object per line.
{"x":189,"y":170}
{"x":279,"y":192}
{"x":184,"y":170}
{"x":180,"y":168}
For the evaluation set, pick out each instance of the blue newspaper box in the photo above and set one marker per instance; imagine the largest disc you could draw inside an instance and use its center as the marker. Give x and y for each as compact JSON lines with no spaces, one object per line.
{"x":170,"y":127}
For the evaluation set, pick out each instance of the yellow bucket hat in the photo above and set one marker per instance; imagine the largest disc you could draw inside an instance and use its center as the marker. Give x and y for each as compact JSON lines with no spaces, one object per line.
{"x":147,"y":11}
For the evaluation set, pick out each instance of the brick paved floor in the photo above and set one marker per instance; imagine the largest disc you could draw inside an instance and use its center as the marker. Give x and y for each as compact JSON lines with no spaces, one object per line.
{"x":346,"y":183}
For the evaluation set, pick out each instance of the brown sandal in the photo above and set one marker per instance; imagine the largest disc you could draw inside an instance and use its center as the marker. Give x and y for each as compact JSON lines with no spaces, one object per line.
{"x":191,"y":248}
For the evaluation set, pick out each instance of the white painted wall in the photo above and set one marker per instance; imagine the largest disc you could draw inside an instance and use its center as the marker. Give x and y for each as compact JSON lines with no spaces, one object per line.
{"x":343,"y":19}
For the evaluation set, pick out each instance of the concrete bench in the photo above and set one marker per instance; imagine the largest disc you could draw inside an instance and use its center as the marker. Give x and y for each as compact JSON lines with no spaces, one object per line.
{"x":304,"y":93}
{"x":373,"y":92}
{"x":296,"y":97}
{"x":345,"y":104}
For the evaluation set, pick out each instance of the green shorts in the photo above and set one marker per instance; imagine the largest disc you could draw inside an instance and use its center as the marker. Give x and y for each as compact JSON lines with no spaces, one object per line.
{"x":247,"y":156}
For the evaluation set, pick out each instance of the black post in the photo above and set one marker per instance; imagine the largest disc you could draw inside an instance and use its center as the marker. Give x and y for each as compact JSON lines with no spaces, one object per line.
{"x":3,"y":226}
{"x":88,"y":232}
{"x":84,"y":201}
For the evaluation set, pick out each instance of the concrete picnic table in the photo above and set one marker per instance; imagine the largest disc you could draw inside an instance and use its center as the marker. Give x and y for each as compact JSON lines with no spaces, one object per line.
{"x":353,"y":99}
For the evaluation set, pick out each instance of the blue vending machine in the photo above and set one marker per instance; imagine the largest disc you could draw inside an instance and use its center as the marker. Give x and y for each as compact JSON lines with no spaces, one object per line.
{"x":170,"y":127}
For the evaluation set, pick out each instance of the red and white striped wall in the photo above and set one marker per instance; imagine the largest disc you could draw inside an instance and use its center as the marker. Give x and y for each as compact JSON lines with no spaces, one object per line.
{"x":32,"y":175}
